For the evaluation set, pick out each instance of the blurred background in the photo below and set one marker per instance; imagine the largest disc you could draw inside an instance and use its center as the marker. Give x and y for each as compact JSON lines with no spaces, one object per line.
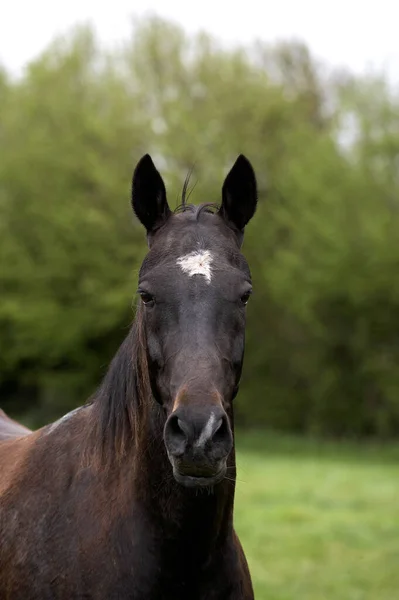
{"x":309,"y":92}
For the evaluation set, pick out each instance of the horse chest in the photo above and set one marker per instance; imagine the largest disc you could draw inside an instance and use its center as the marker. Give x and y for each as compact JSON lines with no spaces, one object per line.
{"x":74,"y":555}
{"x":137,"y":564}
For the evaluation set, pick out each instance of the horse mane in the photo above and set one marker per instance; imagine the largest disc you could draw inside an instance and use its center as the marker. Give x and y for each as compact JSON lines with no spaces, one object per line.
{"x":119,"y":403}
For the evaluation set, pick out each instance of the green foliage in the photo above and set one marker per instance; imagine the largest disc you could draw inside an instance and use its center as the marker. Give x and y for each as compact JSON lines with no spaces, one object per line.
{"x":322,"y":343}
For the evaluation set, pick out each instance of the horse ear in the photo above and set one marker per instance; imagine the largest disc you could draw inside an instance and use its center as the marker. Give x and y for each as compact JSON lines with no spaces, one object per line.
{"x":149,"y":195}
{"x":239,"y":194}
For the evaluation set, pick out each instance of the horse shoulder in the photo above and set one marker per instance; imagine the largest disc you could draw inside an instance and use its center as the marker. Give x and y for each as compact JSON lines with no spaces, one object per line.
{"x":14,"y":452}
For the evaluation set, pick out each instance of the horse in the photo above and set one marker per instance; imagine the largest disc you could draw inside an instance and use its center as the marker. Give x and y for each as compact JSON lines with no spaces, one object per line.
{"x":130,"y":496}
{"x":10,"y":428}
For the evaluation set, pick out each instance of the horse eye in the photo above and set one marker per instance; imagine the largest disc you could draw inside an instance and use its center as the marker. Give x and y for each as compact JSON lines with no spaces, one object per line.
{"x":146,"y":298}
{"x":245,"y":298}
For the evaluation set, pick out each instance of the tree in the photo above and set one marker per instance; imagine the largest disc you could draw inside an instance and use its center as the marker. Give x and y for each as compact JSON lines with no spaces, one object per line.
{"x":322,"y":346}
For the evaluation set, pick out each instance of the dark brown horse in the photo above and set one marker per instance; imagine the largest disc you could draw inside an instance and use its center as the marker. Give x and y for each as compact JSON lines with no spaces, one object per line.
{"x":131,"y":496}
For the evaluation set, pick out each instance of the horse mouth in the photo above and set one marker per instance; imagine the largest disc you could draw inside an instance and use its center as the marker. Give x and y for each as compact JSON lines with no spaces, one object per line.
{"x":195,"y":480}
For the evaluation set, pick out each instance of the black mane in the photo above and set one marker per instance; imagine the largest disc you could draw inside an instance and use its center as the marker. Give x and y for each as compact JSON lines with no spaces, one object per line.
{"x":185,"y":195}
{"x":120,"y":400}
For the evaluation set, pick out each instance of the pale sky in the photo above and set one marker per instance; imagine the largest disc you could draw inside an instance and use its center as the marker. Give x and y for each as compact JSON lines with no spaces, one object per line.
{"x":359,"y":34}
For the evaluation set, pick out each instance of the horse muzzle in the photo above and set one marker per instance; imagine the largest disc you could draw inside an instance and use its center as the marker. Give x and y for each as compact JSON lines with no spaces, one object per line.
{"x":198,"y":442}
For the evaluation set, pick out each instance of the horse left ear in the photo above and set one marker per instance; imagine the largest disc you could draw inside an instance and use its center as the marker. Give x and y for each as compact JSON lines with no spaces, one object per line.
{"x":149,"y":195}
{"x":239,"y":194}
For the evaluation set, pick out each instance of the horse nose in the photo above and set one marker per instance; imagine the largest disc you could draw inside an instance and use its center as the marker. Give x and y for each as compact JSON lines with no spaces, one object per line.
{"x":198,"y":432}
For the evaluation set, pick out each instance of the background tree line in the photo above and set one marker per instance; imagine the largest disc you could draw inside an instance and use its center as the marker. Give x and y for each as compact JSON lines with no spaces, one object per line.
{"x":322,"y":346}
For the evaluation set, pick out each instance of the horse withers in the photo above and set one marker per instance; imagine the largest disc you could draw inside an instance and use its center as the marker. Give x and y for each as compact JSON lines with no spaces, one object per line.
{"x":131,"y":495}
{"x":9,"y":428}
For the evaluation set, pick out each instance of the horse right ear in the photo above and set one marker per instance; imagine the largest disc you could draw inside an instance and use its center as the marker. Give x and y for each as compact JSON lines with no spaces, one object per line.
{"x":239,"y":195}
{"x":149,"y":195}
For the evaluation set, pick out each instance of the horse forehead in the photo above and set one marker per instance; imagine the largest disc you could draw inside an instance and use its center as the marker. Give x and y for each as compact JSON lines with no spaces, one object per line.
{"x":204,"y":259}
{"x":193,"y":249}
{"x":192,"y":255}
{"x":197,"y":262}
{"x":184,"y":233}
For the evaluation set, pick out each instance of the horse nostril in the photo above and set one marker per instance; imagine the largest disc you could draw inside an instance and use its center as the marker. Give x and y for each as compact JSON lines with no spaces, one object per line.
{"x":183,"y":427}
{"x":177,"y":428}
{"x":221,"y":431}
{"x":176,"y":435}
{"x":201,"y":434}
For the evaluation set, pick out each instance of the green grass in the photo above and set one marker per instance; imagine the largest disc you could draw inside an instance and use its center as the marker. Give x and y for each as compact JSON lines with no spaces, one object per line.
{"x":319,"y":521}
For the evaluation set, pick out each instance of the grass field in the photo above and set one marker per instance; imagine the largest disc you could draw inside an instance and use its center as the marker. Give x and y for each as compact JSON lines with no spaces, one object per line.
{"x":319,"y":521}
